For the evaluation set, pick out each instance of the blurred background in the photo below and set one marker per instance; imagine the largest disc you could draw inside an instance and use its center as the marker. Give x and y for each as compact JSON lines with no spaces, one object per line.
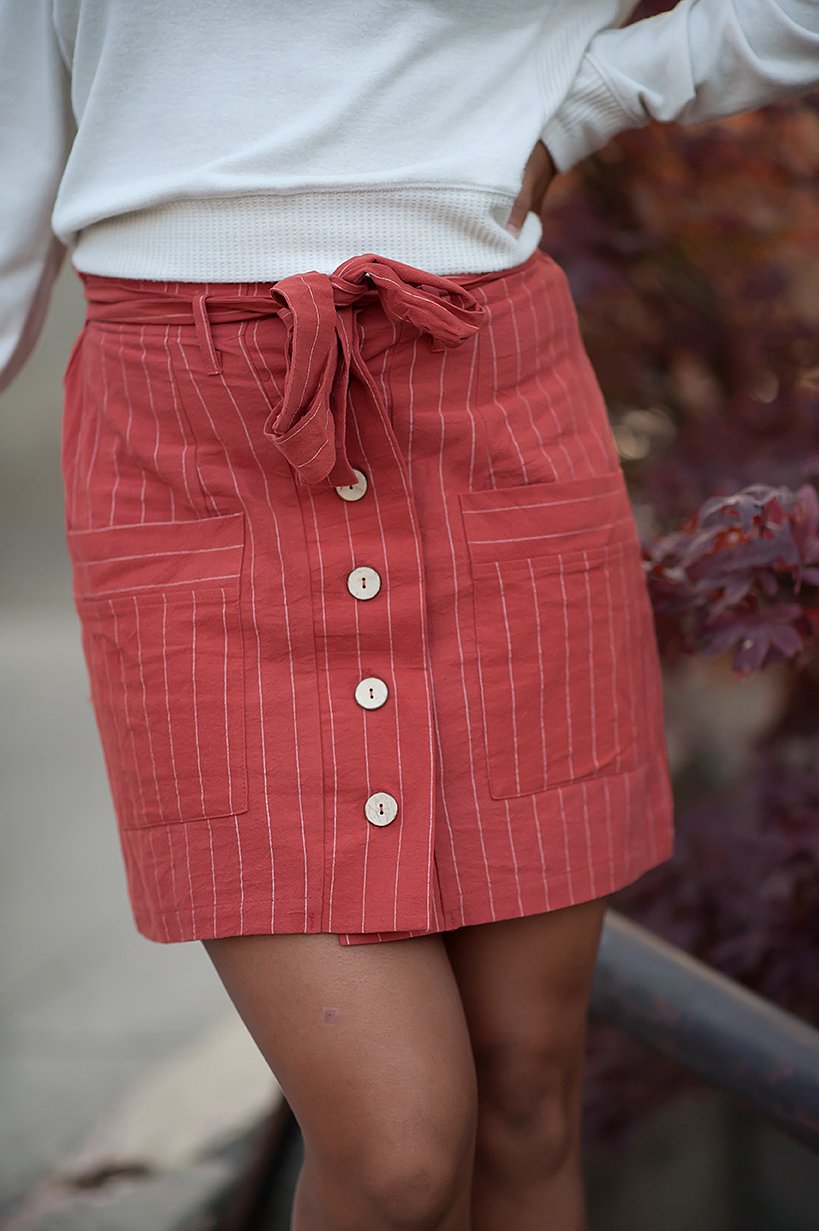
{"x":94,"y":1020}
{"x":693,"y":255}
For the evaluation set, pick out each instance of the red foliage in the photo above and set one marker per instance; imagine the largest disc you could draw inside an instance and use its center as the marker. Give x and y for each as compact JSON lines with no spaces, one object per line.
{"x":741,"y":572}
{"x":693,"y":257}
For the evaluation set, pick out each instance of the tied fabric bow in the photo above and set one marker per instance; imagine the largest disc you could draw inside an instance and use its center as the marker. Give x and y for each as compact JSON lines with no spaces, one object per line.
{"x":308,"y":421}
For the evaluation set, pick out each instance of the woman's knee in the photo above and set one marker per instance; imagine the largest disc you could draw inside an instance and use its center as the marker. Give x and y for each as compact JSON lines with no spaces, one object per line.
{"x":529,"y":1107}
{"x":419,"y":1183}
{"x":408,"y":1158}
{"x":408,"y":1161}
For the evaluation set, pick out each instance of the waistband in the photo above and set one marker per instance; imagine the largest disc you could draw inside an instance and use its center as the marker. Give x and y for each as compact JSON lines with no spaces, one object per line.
{"x":308,"y":421}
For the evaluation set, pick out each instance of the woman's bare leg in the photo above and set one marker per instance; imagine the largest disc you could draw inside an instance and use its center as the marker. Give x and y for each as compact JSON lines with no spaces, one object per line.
{"x":525,"y":985}
{"x":370,"y":1046}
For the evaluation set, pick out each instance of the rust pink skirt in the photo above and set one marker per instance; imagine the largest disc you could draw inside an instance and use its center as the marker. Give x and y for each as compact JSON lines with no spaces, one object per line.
{"x":360,"y":591}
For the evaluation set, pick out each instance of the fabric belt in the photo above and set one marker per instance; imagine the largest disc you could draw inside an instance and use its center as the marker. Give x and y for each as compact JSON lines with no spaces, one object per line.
{"x":308,"y":420}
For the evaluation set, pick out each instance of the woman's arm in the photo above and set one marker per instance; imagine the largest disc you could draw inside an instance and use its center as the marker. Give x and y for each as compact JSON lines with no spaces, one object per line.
{"x":700,"y":60}
{"x":36,"y":130}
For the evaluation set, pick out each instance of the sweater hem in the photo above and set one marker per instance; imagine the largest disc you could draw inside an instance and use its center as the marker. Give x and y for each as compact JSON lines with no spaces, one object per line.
{"x":263,"y":237}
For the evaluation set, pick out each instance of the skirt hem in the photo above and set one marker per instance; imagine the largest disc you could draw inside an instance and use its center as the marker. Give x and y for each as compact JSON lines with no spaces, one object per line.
{"x":617,"y":874}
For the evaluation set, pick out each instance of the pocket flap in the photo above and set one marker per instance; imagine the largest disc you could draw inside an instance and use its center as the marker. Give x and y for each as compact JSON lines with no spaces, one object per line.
{"x":531,"y":520}
{"x":161,"y":556}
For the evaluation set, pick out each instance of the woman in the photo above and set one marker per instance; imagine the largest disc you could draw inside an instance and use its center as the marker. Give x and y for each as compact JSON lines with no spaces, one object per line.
{"x":368,"y":638}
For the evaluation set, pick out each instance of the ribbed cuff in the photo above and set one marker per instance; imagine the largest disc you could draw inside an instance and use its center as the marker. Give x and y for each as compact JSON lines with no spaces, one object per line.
{"x":587,"y":119}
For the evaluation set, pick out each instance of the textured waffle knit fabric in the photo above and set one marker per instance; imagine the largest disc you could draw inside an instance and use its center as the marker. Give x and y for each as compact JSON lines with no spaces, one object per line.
{"x":236,"y":141}
{"x":368,"y":635}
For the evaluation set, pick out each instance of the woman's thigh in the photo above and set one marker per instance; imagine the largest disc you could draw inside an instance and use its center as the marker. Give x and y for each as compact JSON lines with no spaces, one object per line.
{"x":530,"y":975}
{"x":369,"y":1044}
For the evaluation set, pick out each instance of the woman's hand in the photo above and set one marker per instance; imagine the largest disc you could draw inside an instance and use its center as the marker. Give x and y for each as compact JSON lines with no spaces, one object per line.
{"x":537,"y":176}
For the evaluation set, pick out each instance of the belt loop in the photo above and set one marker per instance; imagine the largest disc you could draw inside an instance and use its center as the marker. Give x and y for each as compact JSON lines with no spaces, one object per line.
{"x":211,"y":356}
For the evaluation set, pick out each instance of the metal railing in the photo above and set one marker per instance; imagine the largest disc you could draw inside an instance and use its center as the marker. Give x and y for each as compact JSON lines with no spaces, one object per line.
{"x":733,"y":1039}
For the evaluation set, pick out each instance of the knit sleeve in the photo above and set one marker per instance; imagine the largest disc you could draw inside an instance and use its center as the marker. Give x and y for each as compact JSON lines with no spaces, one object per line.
{"x":700,"y":60}
{"x":36,"y":131}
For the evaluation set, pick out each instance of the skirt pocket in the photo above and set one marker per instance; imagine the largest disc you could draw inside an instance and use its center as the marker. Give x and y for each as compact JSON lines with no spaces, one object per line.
{"x":559,"y":596}
{"x":159,"y":608}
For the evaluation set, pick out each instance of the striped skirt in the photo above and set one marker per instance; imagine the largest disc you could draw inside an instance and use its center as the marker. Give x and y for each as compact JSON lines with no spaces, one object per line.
{"x":361,"y":599}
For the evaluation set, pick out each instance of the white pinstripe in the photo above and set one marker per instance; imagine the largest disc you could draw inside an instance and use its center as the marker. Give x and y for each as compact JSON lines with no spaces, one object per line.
{"x":467,"y":714}
{"x":255,"y":625}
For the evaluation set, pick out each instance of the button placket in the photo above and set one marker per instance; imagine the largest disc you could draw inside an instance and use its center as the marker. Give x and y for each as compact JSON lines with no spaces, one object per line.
{"x":394,"y":877}
{"x":364,"y":582}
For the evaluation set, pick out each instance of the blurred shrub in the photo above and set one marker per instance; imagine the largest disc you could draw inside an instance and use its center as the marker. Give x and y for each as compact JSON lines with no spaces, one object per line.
{"x":693,"y":256}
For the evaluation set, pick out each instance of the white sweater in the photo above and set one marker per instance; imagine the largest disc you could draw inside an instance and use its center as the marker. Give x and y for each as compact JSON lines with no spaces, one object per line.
{"x":245,"y":140}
